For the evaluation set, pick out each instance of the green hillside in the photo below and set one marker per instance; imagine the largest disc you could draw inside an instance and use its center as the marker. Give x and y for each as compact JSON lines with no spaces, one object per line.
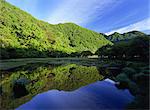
{"x":115,"y":37}
{"x":133,"y":49}
{"x":22,"y":35}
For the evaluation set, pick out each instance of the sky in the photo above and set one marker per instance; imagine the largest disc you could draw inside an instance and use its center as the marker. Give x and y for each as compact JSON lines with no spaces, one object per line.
{"x":104,"y":16}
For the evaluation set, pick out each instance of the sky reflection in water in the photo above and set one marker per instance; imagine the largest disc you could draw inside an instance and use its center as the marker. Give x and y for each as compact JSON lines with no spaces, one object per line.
{"x":99,"y":95}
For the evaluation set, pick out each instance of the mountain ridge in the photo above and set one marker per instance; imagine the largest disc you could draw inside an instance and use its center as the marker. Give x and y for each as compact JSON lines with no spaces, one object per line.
{"x":115,"y":37}
{"x":22,"y":35}
{"x":20,"y":31}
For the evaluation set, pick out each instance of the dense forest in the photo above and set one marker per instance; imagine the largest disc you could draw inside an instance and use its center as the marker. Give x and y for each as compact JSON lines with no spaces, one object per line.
{"x":135,"y":48}
{"x":123,"y":58}
{"x":116,"y":37}
{"x":24,"y":36}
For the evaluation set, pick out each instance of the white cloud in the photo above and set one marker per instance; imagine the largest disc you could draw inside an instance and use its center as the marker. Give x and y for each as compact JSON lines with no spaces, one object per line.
{"x":79,"y":11}
{"x":139,"y":26}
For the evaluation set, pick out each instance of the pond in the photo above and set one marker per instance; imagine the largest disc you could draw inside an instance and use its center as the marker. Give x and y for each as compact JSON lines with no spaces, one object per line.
{"x":95,"y":96}
{"x":75,"y":84}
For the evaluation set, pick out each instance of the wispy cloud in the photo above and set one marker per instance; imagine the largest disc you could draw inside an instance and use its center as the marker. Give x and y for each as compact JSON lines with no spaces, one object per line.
{"x":139,"y":26}
{"x":79,"y":11}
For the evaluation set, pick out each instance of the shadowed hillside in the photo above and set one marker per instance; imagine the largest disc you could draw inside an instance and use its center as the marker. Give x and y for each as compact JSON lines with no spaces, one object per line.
{"x":116,"y":37}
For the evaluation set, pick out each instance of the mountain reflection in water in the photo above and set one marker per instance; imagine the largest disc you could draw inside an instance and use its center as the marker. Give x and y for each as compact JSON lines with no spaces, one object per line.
{"x":44,"y":86}
{"x":96,"y":96}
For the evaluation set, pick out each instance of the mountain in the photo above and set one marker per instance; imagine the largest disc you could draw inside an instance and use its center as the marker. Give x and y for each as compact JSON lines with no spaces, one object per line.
{"x":115,"y":37}
{"x":22,"y":35}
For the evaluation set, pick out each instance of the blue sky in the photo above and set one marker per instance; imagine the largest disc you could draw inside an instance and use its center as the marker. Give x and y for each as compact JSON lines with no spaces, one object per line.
{"x":105,"y":16}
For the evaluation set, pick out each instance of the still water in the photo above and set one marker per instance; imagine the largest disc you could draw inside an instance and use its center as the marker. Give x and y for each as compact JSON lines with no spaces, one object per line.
{"x":95,"y":96}
{"x":59,"y":87}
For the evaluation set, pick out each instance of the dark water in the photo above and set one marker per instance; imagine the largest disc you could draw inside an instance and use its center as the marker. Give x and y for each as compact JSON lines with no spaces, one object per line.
{"x":95,"y":96}
{"x":53,"y":87}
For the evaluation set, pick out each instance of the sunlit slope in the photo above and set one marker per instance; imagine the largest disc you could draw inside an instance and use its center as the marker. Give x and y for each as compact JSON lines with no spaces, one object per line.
{"x":25,"y":34}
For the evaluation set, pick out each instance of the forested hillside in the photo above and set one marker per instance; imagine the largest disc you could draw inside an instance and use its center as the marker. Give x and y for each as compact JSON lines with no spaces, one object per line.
{"x":116,"y":37}
{"x":135,"y":48}
{"x":22,"y":35}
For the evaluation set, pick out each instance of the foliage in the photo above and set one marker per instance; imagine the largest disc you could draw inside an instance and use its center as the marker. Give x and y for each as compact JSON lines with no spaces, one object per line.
{"x":116,"y":37}
{"x":86,"y":53}
{"x":22,"y":35}
{"x":136,"y":48}
{"x":103,"y":51}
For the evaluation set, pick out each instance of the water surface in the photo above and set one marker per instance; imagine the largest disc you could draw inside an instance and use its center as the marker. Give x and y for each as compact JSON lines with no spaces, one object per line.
{"x":95,"y":96}
{"x":65,"y":84}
